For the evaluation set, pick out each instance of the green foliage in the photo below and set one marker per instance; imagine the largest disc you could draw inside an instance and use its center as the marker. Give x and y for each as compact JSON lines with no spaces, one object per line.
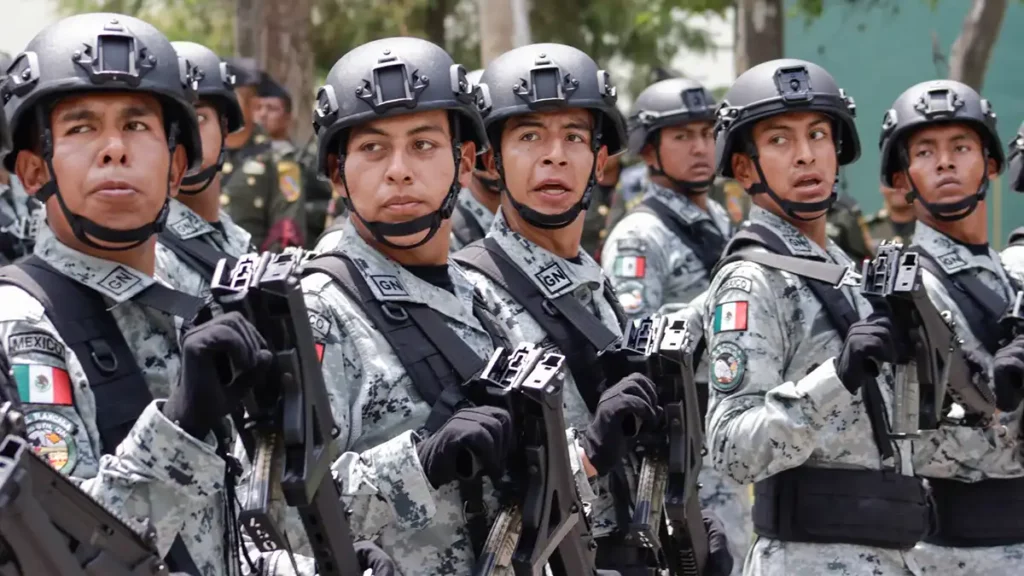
{"x":209,"y":22}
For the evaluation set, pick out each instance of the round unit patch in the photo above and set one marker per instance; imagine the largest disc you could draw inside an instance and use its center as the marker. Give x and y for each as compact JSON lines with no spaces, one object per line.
{"x":728,"y":364}
{"x":52,"y":438}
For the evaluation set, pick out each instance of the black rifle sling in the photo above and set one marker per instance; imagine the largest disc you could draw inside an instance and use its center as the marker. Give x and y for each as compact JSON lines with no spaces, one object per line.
{"x":80,"y":316}
{"x":821,"y":278}
{"x":701,"y":237}
{"x":465,"y":227}
{"x":199,"y":255}
{"x":981,"y":306}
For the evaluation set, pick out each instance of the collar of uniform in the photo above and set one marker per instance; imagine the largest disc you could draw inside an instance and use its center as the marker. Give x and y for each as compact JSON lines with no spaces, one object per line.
{"x":185,"y":223}
{"x":798,"y":243}
{"x":238,"y":239}
{"x":951,"y":255}
{"x":112,"y":279}
{"x":677,"y":202}
{"x":483,"y":216}
{"x":391,"y":282}
{"x":552,"y":274}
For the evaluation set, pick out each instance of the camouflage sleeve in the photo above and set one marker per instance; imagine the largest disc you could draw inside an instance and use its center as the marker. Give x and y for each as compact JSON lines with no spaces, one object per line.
{"x":384,"y":484}
{"x":637,"y":265}
{"x":963,"y":452}
{"x":287,"y":226}
{"x":748,"y":345}
{"x":159,"y":475}
{"x":1013,"y":259}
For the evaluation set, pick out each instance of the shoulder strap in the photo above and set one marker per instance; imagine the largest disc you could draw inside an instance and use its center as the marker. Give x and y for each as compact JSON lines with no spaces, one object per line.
{"x":1016,"y":237}
{"x":199,"y":255}
{"x":702,"y":238}
{"x":433,"y":355}
{"x":465,"y":228}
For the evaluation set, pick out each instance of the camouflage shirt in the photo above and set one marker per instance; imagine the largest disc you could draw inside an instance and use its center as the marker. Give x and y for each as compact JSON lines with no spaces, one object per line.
{"x":20,"y":216}
{"x":480,"y":214}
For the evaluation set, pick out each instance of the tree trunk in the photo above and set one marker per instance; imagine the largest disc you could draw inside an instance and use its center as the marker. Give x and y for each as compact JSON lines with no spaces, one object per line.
{"x":759,"y":32}
{"x":248,"y":19}
{"x":497,"y":34}
{"x":969,"y":56}
{"x":287,"y":56}
{"x":437,"y":10}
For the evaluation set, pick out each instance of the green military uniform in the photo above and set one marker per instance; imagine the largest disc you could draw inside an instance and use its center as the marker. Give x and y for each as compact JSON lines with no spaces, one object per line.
{"x":881,"y":227}
{"x":848,"y":229}
{"x":594,"y":230}
{"x":263,"y":195}
{"x":733,"y":197}
{"x":315,"y":193}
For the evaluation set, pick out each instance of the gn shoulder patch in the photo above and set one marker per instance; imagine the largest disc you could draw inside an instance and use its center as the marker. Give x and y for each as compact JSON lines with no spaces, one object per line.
{"x":289,"y":176}
{"x":728,"y":366}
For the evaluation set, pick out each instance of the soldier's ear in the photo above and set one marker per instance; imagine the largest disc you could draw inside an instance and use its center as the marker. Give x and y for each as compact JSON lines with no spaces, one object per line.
{"x":334,"y":172}
{"x":993,"y":169}
{"x":743,"y":170}
{"x":467,"y":159}
{"x":899,"y":181}
{"x":648,"y":155}
{"x":179,"y":165}
{"x":31,"y":170}
{"x":601,"y":162}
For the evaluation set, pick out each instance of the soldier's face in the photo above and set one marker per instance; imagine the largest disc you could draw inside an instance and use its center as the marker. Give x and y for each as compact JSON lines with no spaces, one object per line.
{"x":946,"y":163}
{"x":273,"y":116}
{"x":110,"y":159}
{"x":547,"y":158}
{"x":210,"y":132}
{"x":688,"y":151}
{"x":401,"y":168}
{"x":797,"y":153}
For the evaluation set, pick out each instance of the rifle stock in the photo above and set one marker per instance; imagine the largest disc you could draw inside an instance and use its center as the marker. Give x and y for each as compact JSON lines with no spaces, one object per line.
{"x":934,"y":353}
{"x":287,"y":427}
{"x":543,"y":522}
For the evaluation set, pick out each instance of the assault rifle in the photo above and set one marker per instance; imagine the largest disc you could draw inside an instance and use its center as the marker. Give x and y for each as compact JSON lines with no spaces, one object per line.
{"x":287,"y":428}
{"x":667,"y":517}
{"x":48,"y":526}
{"x":542,"y":520}
{"x":927,"y":341}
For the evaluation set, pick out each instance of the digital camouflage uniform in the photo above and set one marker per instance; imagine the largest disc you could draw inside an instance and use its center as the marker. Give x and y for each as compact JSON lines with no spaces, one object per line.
{"x":263,"y":196}
{"x":649,"y":265}
{"x":776,"y":402}
{"x":483,"y":217}
{"x":554,"y":276}
{"x":160,"y":475}
{"x":1013,"y":259}
{"x":846,"y":227}
{"x":20,"y":216}
{"x":881,"y":227}
{"x":961,"y":452}
{"x":225,"y":236}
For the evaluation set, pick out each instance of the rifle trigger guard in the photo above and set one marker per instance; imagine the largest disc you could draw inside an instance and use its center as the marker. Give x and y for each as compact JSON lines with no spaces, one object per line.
{"x":394,"y":312}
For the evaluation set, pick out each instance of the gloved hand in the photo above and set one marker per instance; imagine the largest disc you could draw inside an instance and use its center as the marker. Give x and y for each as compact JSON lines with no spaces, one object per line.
{"x":374,"y":559}
{"x":473,"y":440}
{"x":868,"y":343}
{"x":624,"y":409}
{"x":220,"y":360}
{"x":1008,"y":375}
{"x":719,"y":558}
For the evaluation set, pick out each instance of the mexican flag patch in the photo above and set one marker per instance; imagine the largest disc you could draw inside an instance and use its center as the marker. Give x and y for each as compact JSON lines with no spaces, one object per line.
{"x":630,"y":266}
{"x":730,"y":317}
{"x":319,"y":352}
{"x":39,"y":384}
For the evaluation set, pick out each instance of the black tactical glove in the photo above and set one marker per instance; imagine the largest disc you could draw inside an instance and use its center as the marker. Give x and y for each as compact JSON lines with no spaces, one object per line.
{"x":220,"y":360}
{"x":473,"y":440}
{"x":1008,"y":375}
{"x":624,"y":409}
{"x":374,"y":559}
{"x":868,"y":343}
{"x":719,"y":558}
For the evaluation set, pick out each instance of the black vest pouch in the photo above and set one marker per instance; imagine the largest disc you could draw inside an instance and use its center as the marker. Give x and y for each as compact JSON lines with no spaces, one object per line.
{"x":702,"y":238}
{"x":873,"y":508}
{"x":978,"y":514}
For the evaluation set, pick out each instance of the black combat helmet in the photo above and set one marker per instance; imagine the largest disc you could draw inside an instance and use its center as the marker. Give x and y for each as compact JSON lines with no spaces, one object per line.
{"x":774,"y":88}
{"x":491,"y":185}
{"x":215,"y":83}
{"x":393,"y":77}
{"x":928,"y":104}
{"x":670,"y":102}
{"x":93,"y":53}
{"x":1015,"y":160}
{"x":543,"y":77}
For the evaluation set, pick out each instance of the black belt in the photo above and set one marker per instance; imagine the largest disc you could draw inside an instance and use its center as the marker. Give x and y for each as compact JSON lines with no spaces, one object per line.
{"x":833,"y":506}
{"x":986,"y":513}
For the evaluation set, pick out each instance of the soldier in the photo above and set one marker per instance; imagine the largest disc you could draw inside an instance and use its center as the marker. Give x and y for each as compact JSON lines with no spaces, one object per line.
{"x":594,"y":230}
{"x":895,"y":221}
{"x":19,"y":217}
{"x":475,"y":207}
{"x":401,"y":147}
{"x":198,"y":232}
{"x":550,"y":141}
{"x":939,"y":142}
{"x":1013,"y":254}
{"x":104,"y":131}
{"x":259,"y":194}
{"x":846,"y":226}
{"x":274,"y":114}
{"x":663,"y":251}
{"x":797,"y":404}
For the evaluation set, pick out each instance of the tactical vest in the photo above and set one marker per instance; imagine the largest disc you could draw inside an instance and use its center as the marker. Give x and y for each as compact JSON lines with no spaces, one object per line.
{"x":196,"y":254}
{"x":465,"y":227}
{"x":701,"y":237}
{"x":82,"y":318}
{"x":877,"y":508}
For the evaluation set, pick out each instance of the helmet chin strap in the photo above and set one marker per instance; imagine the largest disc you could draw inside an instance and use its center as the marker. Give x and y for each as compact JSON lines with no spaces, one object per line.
{"x":204,"y":177}
{"x":561,"y":220}
{"x":85,"y":229}
{"x":687,"y":188}
{"x":947,"y":211}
